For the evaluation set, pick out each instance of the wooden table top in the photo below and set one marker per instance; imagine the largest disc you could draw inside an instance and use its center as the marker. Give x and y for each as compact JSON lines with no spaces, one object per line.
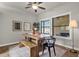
{"x":37,"y":37}
{"x":28,"y":44}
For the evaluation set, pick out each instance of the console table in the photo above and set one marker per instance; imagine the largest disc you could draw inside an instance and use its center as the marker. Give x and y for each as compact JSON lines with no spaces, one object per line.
{"x":32,"y":48}
{"x":36,"y":43}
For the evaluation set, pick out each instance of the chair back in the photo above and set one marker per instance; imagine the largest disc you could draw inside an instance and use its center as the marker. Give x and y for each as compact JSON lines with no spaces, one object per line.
{"x":50,"y":39}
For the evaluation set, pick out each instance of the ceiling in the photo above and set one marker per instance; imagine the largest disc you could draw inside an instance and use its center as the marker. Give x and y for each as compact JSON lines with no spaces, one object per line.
{"x":20,"y":6}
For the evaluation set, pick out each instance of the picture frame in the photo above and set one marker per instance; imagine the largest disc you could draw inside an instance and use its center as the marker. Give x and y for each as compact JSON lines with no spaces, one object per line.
{"x":16,"y":25}
{"x":27,"y":26}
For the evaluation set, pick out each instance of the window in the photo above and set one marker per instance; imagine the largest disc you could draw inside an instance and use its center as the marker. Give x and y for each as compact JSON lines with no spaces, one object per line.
{"x":45,"y":27}
{"x":61,"y":26}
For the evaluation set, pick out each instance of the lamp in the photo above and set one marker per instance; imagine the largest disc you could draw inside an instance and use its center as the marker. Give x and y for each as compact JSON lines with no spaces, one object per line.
{"x":34,"y":6}
{"x":73,"y":25}
{"x":35,"y":29}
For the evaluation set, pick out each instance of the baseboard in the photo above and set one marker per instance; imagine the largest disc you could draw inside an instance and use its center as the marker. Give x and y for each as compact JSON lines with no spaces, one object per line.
{"x":56,"y":44}
{"x":66,"y":46}
{"x":8,"y":44}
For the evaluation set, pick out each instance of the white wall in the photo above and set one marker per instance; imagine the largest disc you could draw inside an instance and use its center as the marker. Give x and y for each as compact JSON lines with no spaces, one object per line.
{"x":72,"y":8}
{"x":6,"y":17}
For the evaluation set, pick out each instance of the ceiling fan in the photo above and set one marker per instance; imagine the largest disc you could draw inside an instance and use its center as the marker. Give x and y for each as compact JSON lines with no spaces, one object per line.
{"x":35,"y":6}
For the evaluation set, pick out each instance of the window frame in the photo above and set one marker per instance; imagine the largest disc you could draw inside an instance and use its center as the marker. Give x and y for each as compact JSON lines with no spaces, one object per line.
{"x":43,"y":26}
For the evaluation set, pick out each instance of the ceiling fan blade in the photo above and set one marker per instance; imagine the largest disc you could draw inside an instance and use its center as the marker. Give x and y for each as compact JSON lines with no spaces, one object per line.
{"x":27,"y":7}
{"x":40,"y":2}
{"x":34,"y":2}
{"x":41,"y":7}
{"x":35,"y":10}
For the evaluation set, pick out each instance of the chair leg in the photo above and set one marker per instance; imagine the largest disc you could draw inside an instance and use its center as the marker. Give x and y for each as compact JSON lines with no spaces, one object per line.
{"x":43,"y":50}
{"x":54,"y":50}
{"x":49,"y":51}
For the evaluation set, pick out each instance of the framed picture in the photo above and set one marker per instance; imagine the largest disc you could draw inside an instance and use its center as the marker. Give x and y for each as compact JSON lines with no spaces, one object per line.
{"x":27,"y":26}
{"x":17,"y":25}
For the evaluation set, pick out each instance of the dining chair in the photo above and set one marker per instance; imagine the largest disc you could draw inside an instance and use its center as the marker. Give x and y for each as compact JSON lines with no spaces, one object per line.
{"x":49,"y":42}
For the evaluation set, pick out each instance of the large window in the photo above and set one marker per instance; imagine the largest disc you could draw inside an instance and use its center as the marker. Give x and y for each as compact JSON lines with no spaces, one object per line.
{"x":45,"y":27}
{"x":61,"y":26}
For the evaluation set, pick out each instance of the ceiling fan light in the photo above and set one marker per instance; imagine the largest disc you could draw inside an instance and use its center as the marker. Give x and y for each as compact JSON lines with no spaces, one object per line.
{"x":34,"y":7}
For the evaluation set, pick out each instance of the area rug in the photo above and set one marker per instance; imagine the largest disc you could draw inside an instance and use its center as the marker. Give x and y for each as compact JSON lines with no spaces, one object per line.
{"x":70,"y":54}
{"x":16,"y":51}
